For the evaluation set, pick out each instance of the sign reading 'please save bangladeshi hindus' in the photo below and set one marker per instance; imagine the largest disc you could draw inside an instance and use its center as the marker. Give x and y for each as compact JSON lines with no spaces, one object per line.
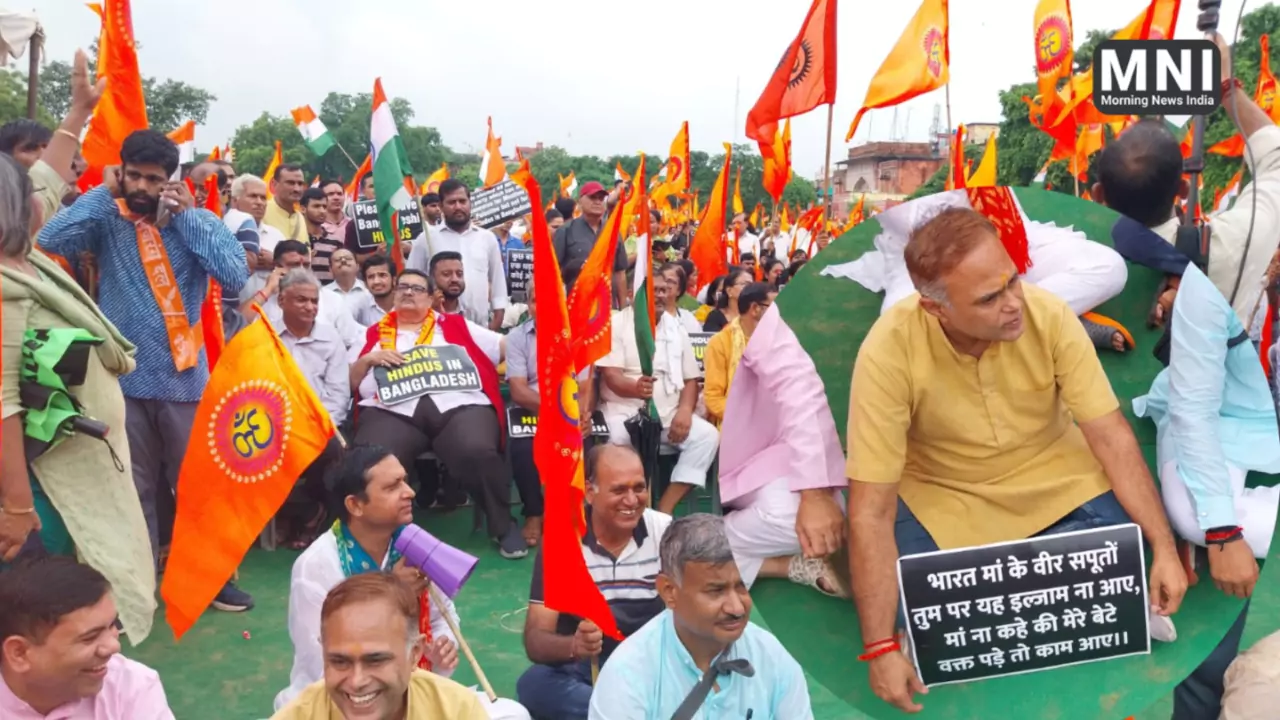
{"x":1026,"y":606}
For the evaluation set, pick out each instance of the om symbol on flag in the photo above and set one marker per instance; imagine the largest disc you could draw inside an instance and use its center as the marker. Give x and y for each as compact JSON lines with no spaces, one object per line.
{"x":249,"y":430}
{"x":1051,"y":45}
{"x":569,"y":399}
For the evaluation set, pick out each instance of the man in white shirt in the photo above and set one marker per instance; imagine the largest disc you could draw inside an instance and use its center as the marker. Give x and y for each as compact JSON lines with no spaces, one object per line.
{"x":373,"y":503}
{"x":291,"y":254}
{"x":485,"y":300}
{"x":673,"y":389}
{"x":748,"y":242}
{"x":347,"y":288}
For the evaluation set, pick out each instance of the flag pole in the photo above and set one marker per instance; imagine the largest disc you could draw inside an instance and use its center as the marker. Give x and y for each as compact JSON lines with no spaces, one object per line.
{"x":826,"y":174}
{"x":439,"y":600}
{"x":950,"y":143}
{"x":348,"y":156}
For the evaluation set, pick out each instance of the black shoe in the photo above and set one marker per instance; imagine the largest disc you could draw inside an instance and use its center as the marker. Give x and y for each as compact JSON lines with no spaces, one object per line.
{"x":232,"y":599}
{"x":512,"y":545}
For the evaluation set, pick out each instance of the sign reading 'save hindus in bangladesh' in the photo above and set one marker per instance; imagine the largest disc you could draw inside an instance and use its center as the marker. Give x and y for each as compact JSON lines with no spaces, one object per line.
{"x":428,"y":369}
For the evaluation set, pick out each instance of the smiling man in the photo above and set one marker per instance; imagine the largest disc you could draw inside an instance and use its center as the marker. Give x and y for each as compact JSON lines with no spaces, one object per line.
{"x":701,"y":657}
{"x":60,"y":649}
{"x":621,"y":552}
{"x":369,"y":632}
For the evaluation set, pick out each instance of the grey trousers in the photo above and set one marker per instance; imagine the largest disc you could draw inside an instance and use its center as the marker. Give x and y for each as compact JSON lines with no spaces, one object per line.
{"x":158,"y":433}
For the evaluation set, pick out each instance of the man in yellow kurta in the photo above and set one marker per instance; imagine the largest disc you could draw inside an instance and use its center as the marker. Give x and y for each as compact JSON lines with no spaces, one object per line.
{"x":981,"y":414}
{"x":369,"y":629}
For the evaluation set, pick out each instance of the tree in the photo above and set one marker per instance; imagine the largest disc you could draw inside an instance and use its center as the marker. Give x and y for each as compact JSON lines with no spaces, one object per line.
{"x":13,"y":99}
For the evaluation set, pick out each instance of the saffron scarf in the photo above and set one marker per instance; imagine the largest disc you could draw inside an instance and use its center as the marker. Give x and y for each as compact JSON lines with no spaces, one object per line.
{"x":389,"y":326}
{"x":185,"y":340}
{"x":355,"y":560}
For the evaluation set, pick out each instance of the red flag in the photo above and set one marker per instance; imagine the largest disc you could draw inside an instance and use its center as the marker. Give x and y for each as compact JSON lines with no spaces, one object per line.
{"x":591,"y":301}
{"x":803,"y":80}
{"x":557,"y":445}
{"x":211,"y":309}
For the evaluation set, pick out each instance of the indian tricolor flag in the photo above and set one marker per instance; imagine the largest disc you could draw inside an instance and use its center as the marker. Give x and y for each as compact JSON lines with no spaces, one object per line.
{"x":642,"y":288}
{"x":568,"y":185}
{"x":185,"y":138}
{"x":313,"y":131}
{"x":492,"y":169}
{"x":390,"y":167}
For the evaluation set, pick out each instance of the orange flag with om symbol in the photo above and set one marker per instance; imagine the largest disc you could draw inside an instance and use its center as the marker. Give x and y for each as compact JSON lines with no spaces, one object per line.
{"x":257,"y":428}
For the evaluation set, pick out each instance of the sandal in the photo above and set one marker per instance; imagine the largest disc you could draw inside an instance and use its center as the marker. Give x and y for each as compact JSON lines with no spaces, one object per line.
{"x":1102,"y":331}
{"x":817,"y":574}
{"x":309,"y":531}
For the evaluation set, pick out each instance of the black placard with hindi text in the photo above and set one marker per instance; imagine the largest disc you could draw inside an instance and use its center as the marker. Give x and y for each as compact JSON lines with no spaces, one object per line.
{"x":519,"y":273}
{"x":1026,"y":606}
{"x":699,"y":342}
{"x":428,"y":369}
{"x":523,"y":423}
{"x":493,"y":206}
{"x":369,"y":235}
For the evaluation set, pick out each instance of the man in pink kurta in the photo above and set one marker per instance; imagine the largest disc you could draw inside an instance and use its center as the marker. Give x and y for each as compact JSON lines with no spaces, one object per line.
{"x":781,"y":463}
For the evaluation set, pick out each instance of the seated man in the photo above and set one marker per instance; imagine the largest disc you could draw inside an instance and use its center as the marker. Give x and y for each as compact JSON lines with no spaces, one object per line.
{"x":982,"y":398}
{"x":673,"y":390}
{"x":781,"y":467}
{"x":1082,"y":273}
{"x":322,"y":359}
{"x":701,"y":653}
{"x":621,"y":551}
{"x":289,"y":255}
{"x":462,"y":428}
{"x":60,"y":648}
{"x":370,"y":646}
{"x":373,"y":503}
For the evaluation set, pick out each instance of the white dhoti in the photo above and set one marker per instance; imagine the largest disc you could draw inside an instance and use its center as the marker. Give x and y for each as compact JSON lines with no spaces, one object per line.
{"x":1256,"y":508}
{"x":762,"y":525}
{"x":697,"y":451}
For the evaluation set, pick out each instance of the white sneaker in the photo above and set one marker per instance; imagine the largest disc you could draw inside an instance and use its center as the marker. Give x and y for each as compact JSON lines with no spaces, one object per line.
{"x":1162,"y":629}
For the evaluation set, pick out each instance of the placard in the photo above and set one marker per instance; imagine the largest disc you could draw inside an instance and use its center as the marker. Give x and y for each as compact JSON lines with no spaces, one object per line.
{"x":523,"y":423}
{"x":519,"y":273}
{"x":699,"y":342}
{"x":369,"y":234}
{"x":498,"y":204}
{"x":428,"y":369}
{"x":1026,"y":606}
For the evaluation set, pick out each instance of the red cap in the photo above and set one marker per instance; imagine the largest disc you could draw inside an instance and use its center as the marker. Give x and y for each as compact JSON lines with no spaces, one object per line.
{"x":591,"y":188}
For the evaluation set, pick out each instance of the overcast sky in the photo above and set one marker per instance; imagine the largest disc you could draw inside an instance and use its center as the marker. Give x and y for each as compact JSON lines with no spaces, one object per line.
{"x":569,"y":73}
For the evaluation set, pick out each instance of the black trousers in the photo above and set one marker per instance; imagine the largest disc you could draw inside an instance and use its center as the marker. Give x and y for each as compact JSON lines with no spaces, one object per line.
{"x":466,"y":439}
{"x":525,"y":474}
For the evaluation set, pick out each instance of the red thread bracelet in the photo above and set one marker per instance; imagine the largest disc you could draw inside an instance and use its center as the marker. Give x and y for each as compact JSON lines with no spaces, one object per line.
{"x":892,"y":646}
{"x":878,"y":643}
{"x":1229,"y":83}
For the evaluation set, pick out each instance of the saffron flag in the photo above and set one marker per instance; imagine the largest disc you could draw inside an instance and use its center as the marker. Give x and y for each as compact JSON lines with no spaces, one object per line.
{"x":804,"y":79}
{"x":185,"y":138}
{"x":211,"y":308}
{"x":353,"y":188}
{"x":591,"y":300}
{"x":1054,"y":53}
{"x":277,"y":159}
{"x":390,"y":168}
{"x":955,"y":180}
{"x":122,"y":109}
{"x":707,"y":248}
{"x":919,"y":63}
{"x":985,"y":174}
{"x":777,"y":165}
{"x":568,"y":186}
{"x":1265,"y":97}
{"x":620,"y":174}
{"x":678,"y":164}
{"x":492,"y":169}
{"x":313,"y":130}
{"x":432,"y":183}
{"x":215,"y":155}
{"x":257,"y":428}
{"x":737,"y":193}
{"x":557,"y":444}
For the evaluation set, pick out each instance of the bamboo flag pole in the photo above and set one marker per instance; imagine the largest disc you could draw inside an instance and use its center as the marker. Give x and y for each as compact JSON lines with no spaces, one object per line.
{"x":439,"y":600}
{"x":354,"y":164}
{"x":950,"y":142}
{"x":826,"y":174}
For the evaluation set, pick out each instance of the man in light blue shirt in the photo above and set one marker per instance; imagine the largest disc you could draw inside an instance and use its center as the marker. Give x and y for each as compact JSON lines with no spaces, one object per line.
{"x":1215,"y":422}
{"x":701,"y":658}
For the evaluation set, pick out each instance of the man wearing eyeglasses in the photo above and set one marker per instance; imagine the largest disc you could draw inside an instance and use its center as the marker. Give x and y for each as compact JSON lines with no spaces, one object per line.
{"x":460,"y":426}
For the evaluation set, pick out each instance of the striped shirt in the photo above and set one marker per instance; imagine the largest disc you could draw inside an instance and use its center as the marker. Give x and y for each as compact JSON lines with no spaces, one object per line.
{"x":199,"y":245}
{"x":627,"y":582}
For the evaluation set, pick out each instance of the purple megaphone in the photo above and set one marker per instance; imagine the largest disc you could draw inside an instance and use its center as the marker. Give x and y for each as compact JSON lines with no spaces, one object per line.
{"x":445,"y":565}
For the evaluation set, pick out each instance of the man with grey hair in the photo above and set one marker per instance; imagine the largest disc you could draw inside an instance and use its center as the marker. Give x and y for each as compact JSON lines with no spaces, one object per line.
{"x":321,"y":357}
{"x":248,"y":207}
{"x":702,"y":640}
{"x":621,"y":553}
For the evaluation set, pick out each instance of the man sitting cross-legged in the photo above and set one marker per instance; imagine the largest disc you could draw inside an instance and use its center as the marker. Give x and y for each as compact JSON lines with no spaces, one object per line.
{"x":368,"y":628}
{"x":60,"y":648}
{"x":373,"y":503}
{"x":979,"y":413}
{"x":621,"y":551}
{"x":463,"y":428}
{"x":701,"y":657}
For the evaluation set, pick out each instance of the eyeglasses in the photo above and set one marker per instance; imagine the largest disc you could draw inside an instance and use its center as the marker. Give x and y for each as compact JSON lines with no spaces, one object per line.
{"x":412,"y":289}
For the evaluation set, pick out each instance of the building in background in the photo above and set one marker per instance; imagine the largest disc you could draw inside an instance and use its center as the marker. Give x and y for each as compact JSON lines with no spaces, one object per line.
{"x":886,"y":172}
